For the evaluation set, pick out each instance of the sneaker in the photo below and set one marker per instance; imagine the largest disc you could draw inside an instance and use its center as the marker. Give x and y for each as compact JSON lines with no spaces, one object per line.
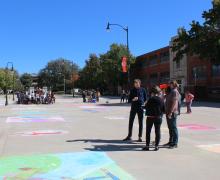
{"x":139,"y":140}
{"x":127,"y":139}
{"x":167,"y":144}
{"x":173,"y":146}
{"x":146,"y":148}
{"x":156,"y":148}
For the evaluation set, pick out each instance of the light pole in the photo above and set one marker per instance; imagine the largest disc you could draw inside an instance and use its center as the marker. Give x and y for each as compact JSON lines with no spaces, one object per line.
{"x":6,"y":87}
{"x":64,"y":82}
{"x":126,"y":30}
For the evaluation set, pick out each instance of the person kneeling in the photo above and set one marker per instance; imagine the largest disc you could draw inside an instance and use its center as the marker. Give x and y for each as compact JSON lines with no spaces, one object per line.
{"x":154,"y":112}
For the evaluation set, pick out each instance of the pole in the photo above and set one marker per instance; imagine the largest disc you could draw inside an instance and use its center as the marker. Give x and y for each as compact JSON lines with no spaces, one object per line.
{"x":128,"y":58}
{"x":64,"y":86}
{"x":13,"y":84}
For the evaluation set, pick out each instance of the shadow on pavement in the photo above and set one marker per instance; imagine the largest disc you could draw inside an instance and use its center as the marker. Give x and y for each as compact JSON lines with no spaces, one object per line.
{"x":115,"y":104}
{"x":113,"y":145}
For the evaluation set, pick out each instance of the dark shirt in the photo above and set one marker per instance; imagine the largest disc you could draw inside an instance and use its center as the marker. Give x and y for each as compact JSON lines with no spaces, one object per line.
{"x":155,"y":107}
{"x":140,"y":93}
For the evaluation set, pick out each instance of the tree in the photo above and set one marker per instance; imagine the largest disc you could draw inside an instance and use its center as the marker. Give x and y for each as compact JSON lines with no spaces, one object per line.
{"x":6,"y":78}
{"x":54,"y":73}
{"x":105,"y":72}
{"x":201,"y":39}
{"x":26,"y":80}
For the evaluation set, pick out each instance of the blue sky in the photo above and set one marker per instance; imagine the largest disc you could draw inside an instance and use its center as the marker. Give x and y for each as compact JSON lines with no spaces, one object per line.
{"x":32,"y":32}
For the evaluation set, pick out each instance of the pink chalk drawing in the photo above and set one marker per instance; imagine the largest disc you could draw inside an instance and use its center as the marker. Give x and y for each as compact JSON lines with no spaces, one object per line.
{"x":28,"y":119}
{"x":197,"y":127}
{"x":42,"y":133}
{"x":211,"y":147}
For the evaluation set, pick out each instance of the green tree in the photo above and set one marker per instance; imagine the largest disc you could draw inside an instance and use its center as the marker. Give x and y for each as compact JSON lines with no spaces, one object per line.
{"x":105,"y":72}
{"x":54,"y":73}
{"x":26,"y":80}
{"x":201,"y":39}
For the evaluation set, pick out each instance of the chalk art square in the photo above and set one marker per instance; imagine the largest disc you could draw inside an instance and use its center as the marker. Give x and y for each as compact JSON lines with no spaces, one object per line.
{"x":42,"y":133}
{"x":197,"y":127}
{"x":212,"y":147}
{"x":80,"y":166}
{"x":28,"y":119}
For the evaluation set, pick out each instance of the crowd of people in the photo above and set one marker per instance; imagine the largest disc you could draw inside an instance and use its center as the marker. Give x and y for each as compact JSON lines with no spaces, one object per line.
{"x":36,"y":96}
{"x":91,"y":96}
{"x":155,"y":104}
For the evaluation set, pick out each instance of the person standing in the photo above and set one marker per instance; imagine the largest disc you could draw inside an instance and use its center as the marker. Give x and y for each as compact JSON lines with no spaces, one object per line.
{"x":123,"y":96}
{"x":154,"y":112}
{"x":84,"y":96}
{"x":189,"y":98}
{"x":171,"y":109}
{"x":137,"y":97}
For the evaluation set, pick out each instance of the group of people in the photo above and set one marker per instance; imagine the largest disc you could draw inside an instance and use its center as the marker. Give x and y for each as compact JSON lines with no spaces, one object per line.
{"x":156,"y":104}
{"x":124,"y":96}
{"x":91,"y":96}
{"x":37,"y":96}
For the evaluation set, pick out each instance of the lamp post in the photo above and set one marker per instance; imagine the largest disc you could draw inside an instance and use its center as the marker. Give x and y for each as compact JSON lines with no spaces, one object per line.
{"x":6,"y":88}
{"x":126,"y":30}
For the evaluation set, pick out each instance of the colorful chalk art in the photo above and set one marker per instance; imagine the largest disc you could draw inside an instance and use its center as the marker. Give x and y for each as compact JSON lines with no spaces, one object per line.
{"x":196,"y":127}
{"x":27,"y":119}
{"x":68,"y":166}
{"x":42,"y":133}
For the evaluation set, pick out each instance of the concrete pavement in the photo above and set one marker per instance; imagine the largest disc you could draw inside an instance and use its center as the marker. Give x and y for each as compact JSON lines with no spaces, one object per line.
{"x":69,"y":126}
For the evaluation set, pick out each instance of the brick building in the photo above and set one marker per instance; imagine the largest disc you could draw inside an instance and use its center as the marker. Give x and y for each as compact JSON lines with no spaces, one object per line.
{"x":152,"y":68}
{"x":201,"y":77}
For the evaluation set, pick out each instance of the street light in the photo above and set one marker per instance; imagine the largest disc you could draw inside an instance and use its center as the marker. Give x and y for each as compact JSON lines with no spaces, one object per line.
{"x":6,"y":89}
{"x":64,"y":82}
{"x":126,"y":30}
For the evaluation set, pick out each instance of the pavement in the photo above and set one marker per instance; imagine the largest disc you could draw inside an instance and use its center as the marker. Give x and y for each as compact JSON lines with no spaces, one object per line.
{"x":75,"y":140}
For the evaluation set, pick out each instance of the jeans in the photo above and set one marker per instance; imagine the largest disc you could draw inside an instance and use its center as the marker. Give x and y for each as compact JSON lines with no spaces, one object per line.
{"x":188,"y":105}
{"x":157,"y":124}
{"x":173,"y":131}
{"x":139,"y":111}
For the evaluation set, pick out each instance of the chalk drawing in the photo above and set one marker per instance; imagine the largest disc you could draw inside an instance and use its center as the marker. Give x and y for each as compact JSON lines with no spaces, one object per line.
{"x":27,"y":119}
{"x":211,"y":147}
{"x":196,"y":127}
{"x":91,"y":110}
{"x":92,"y":107}
{"x":115,"y":118}
{"x":42,"y":133}
{"x":80,"y":166}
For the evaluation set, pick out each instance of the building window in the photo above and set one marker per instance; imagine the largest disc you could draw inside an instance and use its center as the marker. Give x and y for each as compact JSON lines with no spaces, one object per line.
{"x":177,"y":64}
{"x":152,"y":60}
{"x":164,"y":77}
{"x":216,"y":70}
{"x":164,"y":57}
{"x":199,"y":73}
{"x":154,"y":78}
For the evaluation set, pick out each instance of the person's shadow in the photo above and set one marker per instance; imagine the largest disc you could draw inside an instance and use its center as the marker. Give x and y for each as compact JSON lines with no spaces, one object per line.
{"x":112,"y":145}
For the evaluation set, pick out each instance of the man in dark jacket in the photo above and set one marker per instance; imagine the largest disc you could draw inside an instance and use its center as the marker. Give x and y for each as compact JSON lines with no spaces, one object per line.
{"x":138,"y":97}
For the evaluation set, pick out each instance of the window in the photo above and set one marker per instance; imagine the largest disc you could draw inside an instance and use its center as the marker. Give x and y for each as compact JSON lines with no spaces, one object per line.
{"x":152,"y":60}
{"x":164,"y":57}
{"x":177,"y":64}
{"x":199,"y":73}
{"x":164,"y":77}
{"x":154,"y":78}
{"x":216,"y":70}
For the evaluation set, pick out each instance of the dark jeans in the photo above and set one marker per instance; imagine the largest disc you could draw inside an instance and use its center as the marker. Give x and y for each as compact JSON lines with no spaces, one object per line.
{"x":157,"y":124}
{"x":188,"y":105}
{"x":173,"y":131}
{"x":139,"y":111}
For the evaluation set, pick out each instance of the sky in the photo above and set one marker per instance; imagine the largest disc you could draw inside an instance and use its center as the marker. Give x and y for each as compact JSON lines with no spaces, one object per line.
{"x":33,"y":32}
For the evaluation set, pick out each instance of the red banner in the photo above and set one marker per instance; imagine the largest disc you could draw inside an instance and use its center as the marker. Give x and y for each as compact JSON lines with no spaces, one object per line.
{"x":124,"y":64}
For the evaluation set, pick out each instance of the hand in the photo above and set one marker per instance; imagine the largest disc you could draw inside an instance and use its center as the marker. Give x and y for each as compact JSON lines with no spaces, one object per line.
{"x":169,"y":116}
{"x":135,"y":99}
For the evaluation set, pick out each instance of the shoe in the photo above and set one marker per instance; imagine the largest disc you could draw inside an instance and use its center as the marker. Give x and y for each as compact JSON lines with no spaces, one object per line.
{"x":173,"y":146}
{"x":167,"y":144}
{"x":139,"y":140}
{"x":127,"y":139}
{"x":146,"y":148}
{"x":156,"y":148}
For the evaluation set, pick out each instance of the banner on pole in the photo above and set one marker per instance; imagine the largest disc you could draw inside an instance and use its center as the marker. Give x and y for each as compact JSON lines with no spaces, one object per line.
{"x":124,"y":64}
